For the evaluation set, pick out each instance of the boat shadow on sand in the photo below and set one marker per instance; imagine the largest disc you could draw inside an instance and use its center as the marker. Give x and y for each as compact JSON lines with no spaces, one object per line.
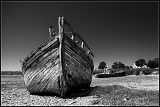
{"x":75,"y":94}
{"x":97,"y":91}
{"x":108,"y":91}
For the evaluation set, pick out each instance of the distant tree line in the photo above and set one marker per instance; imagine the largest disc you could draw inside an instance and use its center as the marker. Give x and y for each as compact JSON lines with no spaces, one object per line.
{"x":139,"y":63}
{"x":119,"y":66}
{"x":151,"y":63}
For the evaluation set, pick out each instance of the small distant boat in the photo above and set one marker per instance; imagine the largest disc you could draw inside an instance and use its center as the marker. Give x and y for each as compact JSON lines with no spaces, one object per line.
{"x":103,"y":75}
{"x":60,"y":66}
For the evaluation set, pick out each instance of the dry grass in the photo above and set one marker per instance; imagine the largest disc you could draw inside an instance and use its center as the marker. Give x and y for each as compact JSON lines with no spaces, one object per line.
{"x":147,"y":82}
{"x":120,"y":91}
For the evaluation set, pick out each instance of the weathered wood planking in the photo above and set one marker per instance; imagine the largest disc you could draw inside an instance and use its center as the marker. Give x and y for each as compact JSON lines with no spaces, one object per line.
{"x":43,"y":71}
{"x":78,"y":70}
{"x":59,"y":66}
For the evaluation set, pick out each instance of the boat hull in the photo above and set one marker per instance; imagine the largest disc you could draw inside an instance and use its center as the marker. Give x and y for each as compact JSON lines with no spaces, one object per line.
{"x":102,"y":75}
{"x":59,"y":67}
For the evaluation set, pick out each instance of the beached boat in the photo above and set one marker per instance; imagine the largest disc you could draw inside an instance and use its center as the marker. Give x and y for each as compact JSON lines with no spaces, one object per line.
{"x":103,"y":75}
{"x":60,"y":66}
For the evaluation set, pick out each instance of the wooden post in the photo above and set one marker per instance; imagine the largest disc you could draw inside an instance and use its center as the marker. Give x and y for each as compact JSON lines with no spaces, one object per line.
{"x":52,"y":33}
{"x":21,"y":64}
{"x":61,"y":56}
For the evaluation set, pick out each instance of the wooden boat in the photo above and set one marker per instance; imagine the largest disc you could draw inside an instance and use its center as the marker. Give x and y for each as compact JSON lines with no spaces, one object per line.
{"x":103,"y":75}
{"x":60,"y":66}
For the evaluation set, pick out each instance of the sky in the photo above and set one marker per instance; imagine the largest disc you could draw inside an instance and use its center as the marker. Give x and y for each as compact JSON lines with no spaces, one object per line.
{"x":114,"y":31}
